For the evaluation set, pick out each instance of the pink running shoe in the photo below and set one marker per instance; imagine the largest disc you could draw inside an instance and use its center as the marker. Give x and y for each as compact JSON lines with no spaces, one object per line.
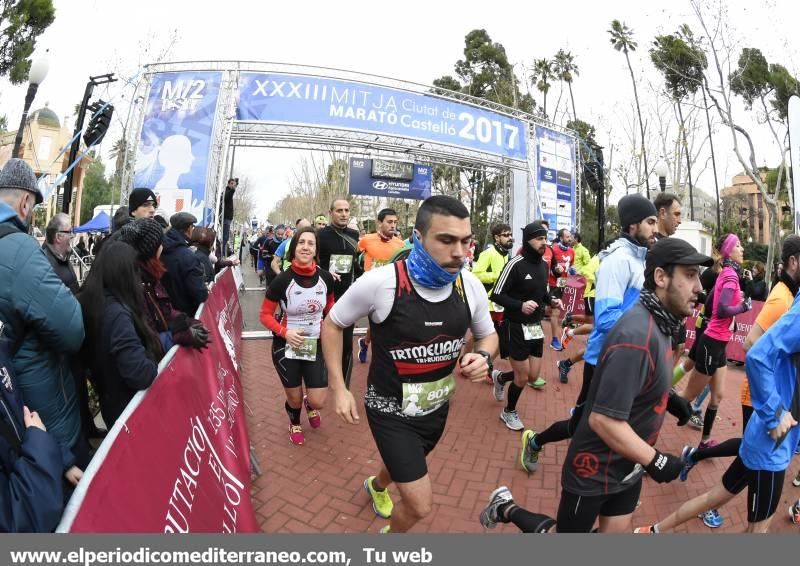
{"x":314,"y":418}
{"x":296,"y":435}
{"x":710,"y":443}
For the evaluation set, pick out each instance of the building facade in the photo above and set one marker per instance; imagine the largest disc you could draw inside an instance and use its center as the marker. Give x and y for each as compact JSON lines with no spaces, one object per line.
{"x":43,"y":139}
{"x":743,"y":203}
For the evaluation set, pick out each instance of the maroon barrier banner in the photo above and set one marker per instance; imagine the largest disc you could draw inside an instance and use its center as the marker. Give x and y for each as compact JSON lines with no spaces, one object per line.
{"x":573,"y":294}
{"x":178,"y":459}
{"x":744,"y":322}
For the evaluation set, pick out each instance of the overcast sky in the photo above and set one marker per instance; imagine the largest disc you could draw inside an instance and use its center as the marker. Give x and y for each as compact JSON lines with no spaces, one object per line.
{"x":413,"y":40}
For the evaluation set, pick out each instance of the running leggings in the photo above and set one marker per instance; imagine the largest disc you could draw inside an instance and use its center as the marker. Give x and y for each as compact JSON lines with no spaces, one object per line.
{"x":529,"y":522}
{"x":727,"y":449}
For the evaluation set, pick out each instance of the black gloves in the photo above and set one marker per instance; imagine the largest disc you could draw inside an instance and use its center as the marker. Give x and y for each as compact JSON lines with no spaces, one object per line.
{"x":200,"y":337}
{"x":679,"y":407}
{"x":664,"y":467}
{"x":189,"y":332}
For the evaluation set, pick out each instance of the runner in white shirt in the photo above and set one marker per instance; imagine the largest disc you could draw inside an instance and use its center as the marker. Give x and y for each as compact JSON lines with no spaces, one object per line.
{"x":419,"y":312}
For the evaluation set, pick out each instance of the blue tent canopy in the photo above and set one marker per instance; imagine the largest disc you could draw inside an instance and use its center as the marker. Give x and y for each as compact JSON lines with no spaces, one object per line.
{"x":100,"y":223}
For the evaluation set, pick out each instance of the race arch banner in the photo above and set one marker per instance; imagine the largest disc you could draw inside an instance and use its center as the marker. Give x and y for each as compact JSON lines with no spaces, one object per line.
{"x":178,"y":459}
{"x":172,"y":157}
{"x":336,"y":103}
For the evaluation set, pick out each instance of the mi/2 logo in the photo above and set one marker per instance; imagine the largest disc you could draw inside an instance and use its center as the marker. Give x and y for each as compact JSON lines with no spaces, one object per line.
{"x":182,"y":95}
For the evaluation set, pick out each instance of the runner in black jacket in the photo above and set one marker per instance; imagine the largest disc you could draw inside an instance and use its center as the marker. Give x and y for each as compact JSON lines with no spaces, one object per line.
{"x":522,"y":291}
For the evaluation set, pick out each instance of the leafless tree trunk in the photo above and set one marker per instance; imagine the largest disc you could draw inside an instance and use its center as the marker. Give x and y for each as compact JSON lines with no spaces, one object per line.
{"x":721,"y":97}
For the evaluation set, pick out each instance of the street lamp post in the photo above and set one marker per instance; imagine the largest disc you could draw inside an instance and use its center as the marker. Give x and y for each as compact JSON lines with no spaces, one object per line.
{"x":36,"y":75}
{"x":661,"y":171}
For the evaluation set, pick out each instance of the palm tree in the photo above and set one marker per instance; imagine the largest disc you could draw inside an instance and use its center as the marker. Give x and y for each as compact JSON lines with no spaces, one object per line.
{"x":622,"y":40}
{"x":566,"y":70}
{"x":542,"y":75}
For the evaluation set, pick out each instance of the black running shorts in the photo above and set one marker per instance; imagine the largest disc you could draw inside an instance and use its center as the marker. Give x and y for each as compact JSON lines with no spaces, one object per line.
{"x":578,"y":513}
{"x":404,"y":442}
{"x":764,"y":489}
{"x":556,"y":292}
{"x":699,"y":332}
{"x":588,"y":306}
{"x":294,"y":373}
{"x":520,"y":349}
{"x":710,"y":355}
{"x":501,"y":338}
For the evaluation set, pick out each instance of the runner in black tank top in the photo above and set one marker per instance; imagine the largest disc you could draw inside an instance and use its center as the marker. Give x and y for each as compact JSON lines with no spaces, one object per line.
{"x":419,"y":311}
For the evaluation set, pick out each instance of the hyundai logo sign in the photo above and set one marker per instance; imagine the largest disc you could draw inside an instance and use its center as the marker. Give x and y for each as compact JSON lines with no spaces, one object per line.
{"x":380,"y":185}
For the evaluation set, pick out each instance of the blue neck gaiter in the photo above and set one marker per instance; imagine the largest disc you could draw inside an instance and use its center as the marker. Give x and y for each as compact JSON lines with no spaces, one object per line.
{"x":424,"y":269}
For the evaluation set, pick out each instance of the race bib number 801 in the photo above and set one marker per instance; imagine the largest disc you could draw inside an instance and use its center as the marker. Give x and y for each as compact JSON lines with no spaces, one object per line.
{"x":423,"y":398}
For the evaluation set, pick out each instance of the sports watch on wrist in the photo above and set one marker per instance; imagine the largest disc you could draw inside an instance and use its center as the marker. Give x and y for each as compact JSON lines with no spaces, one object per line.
{"x":488,"y":357}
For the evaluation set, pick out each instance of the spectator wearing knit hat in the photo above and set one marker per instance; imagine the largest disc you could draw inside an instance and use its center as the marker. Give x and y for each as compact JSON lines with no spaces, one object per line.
{"x":173,"y":327}
{"x":142,"y":203}
{"x":185,"y":278}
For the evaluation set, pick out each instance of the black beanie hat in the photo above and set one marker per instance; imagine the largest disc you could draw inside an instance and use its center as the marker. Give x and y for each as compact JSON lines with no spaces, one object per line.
{"x":144,"y":235}
{"x":139,"y":196}
{"x":533,"y":230}
{"x":632,"y":209}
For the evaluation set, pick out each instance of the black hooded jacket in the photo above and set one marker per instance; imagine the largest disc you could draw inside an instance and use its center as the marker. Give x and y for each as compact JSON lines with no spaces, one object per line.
{"x":524,"y":278}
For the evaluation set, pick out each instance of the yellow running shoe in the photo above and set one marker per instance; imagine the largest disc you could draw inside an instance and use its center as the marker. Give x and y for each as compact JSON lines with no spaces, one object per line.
{"x":381,"y":501}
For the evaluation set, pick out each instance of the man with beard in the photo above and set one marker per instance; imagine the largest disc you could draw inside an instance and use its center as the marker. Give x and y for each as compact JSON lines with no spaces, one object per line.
{"x":487,"y":269}
{"x":522,"y":291}
{"x":618,"y":281}
{"x":338,"y":252}
{"x":419,"y":311}
{"x":765,"y":451}
{"x":614,"y":443}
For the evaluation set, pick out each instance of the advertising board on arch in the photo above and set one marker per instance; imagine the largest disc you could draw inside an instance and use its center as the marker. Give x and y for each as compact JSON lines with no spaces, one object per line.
{"x":335,"y":103}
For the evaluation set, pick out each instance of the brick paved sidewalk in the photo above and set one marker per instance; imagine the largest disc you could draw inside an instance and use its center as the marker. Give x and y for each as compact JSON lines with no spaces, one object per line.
{"x":318,"y":487}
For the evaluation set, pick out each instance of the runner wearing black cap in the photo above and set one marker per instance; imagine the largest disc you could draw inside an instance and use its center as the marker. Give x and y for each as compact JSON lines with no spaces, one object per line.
{"x":522,"y":292}
{"x":614,"y":442}
{"x":618,"y":280}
